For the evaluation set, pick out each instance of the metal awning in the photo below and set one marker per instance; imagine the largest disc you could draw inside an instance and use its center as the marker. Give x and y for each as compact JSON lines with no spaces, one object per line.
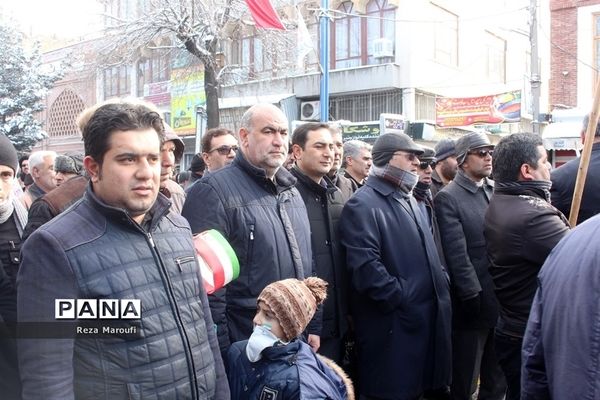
{"x":563,"y":136}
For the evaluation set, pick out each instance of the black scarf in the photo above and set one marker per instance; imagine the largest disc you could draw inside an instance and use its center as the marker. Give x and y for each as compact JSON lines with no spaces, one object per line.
{"x":534,"y":188}
{"x":422,"y":191}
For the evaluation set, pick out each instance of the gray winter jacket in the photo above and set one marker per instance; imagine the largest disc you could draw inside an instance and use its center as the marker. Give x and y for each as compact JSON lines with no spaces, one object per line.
{"x":94,"y":251}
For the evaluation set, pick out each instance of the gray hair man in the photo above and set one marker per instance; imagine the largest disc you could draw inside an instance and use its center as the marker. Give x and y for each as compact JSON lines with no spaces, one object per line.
{"x":254,"y":204}
{"x":357,"y":161}
{"x":41,"y":166}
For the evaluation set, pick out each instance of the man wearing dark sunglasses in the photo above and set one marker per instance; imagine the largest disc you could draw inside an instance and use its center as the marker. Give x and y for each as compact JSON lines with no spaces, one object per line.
{"x":219,"y":147}
{"x":460,"y":209}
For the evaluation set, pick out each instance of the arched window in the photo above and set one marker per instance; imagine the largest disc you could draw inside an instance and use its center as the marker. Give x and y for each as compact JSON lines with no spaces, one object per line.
{"x":63,"y":114}
{"x":353,"y":35}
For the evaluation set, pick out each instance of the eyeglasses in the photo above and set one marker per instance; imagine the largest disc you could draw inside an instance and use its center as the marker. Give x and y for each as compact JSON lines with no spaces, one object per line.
{"x":482,"y":153}
{"x":224,"y":150}
{"x":425,"y":164}
{"x":409,"y":156}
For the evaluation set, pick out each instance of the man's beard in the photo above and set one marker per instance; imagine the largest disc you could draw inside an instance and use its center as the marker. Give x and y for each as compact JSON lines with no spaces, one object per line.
{"x":448,"y":172}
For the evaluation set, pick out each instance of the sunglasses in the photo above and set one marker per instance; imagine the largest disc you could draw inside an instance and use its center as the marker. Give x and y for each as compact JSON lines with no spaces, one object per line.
{"x":224,"y":150}
{"x":482,"y":153}
{"x":425,"y":164}
{"x":409,"y":156}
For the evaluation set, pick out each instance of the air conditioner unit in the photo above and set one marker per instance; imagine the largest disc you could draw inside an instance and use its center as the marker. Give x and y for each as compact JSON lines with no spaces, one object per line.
{"x":310,"y":110}
{"x":383,"y":48}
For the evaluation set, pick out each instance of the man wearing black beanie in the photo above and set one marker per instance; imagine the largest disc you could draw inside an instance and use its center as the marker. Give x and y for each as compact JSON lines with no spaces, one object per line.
{"x":13,"y":218}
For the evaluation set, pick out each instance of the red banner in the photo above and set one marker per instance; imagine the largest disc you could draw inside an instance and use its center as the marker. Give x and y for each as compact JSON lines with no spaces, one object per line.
{"x":493,"y":109}
{"x":264,"y":14}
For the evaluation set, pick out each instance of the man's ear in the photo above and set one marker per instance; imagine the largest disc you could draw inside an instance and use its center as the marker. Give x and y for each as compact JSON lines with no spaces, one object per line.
{"x":349,"y":160}
{"x":297,"y":151}
{"x":35,"y":172}
{"x":525,"y":172}
{"x":92,"y":168}
{"x":206,"y":159}
{"x":243,"y":134}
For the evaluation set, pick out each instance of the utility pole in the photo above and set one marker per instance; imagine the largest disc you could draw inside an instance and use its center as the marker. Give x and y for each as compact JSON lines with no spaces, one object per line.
{"x":324,"y":60}
{"x":535,"y":79}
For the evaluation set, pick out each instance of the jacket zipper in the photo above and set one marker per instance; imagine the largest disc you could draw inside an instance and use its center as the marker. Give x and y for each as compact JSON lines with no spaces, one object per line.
{"x":182,"y":260}
{"x":180,"y":324}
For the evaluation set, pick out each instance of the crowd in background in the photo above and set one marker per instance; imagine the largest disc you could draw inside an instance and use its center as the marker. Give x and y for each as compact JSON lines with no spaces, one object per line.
{"x":383,"y":271}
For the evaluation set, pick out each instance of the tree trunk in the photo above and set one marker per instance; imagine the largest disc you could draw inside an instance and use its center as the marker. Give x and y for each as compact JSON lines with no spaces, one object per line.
{"x":211,"y":88}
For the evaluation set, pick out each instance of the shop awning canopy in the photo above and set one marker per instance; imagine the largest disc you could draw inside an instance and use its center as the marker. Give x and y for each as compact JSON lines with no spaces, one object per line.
{"x":562,"y":136}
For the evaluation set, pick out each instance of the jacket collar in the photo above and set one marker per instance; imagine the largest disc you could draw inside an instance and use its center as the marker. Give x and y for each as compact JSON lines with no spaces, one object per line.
{"x":435,"y":177}
{"x":463,"y":181}
{"x":380,"y":185}
{"x":281,"y":352}
{"x":158,"y":210}
{"x":312,"y":185}
{"x":283,"y":179}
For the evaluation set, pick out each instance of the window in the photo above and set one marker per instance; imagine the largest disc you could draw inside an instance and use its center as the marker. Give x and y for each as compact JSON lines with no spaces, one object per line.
{"x":365,"y":107}
{"x":495,"y":58}
{"x":445,"y":36}
{"x":352,"y":36}
{"x":116,"y":81}
{"x":258,"y":56}
{"x":151,"y":70}
{"x":63,"y":114}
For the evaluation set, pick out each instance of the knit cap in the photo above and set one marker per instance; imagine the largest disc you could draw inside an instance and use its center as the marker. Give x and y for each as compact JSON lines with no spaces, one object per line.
{"x":294,"y":302}
{"x":8,"y":153}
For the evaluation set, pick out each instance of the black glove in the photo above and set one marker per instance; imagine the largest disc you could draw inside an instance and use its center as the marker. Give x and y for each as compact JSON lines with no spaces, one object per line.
{"x":472,"y":307}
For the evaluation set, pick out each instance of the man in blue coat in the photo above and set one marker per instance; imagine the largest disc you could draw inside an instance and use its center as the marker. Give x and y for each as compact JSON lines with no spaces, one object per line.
{"x":561,"y":347}
{"x":400,"y":301}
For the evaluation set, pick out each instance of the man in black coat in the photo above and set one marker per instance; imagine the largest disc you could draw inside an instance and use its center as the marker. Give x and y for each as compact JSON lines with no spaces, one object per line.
{"x":563,"y":182}
{"x":312,"y":145}
{"x":13,"y":218}
{"x":460,"y":208}
{"x":399,"y":298}
{"x":521,"y":228}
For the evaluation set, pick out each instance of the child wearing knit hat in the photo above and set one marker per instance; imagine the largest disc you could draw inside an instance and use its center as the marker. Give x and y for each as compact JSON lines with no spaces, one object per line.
{"x":275,"y":363}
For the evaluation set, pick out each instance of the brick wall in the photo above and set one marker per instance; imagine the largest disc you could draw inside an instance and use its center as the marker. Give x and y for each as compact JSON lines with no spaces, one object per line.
{"x":563,"y":58}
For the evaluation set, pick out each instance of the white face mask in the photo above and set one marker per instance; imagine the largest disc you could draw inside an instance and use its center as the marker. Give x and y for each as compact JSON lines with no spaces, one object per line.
{"x":261,"y":338}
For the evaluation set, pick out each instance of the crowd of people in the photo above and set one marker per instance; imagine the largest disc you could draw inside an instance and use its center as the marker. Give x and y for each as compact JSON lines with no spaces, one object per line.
{"x":383,"y":271}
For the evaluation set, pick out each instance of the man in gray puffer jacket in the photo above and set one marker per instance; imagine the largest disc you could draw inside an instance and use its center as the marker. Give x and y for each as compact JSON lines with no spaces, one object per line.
{"x":120,"y":241}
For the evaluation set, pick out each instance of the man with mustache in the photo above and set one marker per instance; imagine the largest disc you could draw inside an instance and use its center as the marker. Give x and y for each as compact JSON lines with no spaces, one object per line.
{"x":460,"y":209}
{"x":121,"y":241}
{"x":313,"y":148}
{"x":254,"y":204}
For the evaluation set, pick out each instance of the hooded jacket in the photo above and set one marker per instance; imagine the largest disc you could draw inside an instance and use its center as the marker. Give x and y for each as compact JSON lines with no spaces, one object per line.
{"x":287,"y":372}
